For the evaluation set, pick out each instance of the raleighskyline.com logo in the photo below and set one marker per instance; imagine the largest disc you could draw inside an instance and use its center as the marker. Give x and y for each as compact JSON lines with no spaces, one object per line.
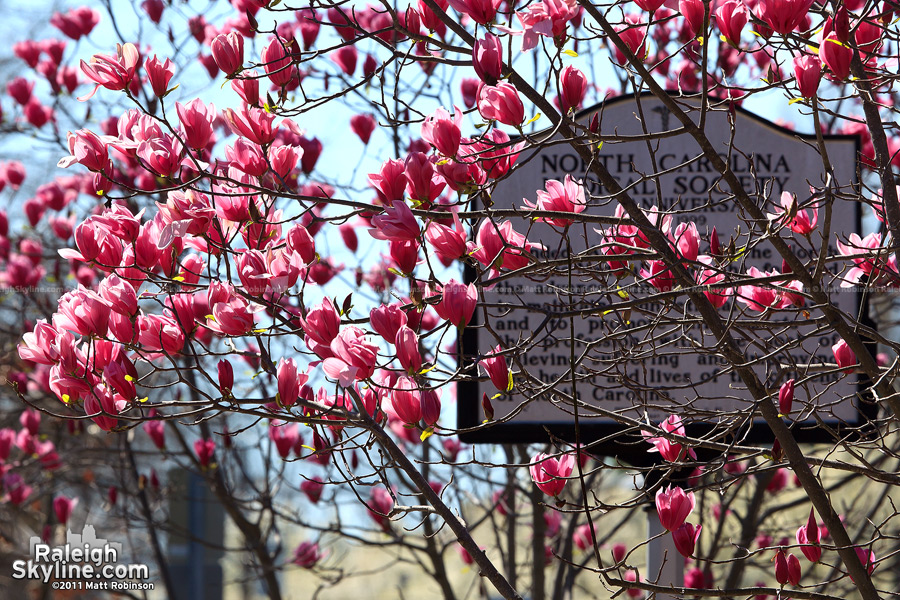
{"x":84,"y":562}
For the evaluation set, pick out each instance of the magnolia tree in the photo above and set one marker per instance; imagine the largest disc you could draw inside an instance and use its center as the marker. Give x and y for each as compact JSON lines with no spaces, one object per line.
{"x":295,"y":328}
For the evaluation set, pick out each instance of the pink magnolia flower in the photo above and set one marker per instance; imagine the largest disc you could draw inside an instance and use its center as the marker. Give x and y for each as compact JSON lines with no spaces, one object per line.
{"x":29,"y":51}
{"x":808,"y":538}
{"x":867,"y":558}
{"x":803,"y":221}
{"x":290,"y":380}
{"x":685,"y":538}
{"x":112,"y":72}
{"x":284,"y":437}
{"x":154,"y":9}
{"x":386,"y":320}
{"x":17,"y":490}
{"x":321,"y":326}
{"x":457,"y":303}
{"x":306,"y":555}
{"x":844,"y":356}
{"x":783,"y":16}
{"x":572,"y":85}
{"x":584,"y":537}
{"x":204,"y":449}
{"x":346,"y":58}
{"x":228,"y":52}
{"x":761,"y":298}
{"x":156,"y":431}
{"x":284,"y":268}
{"x":406,"y":400}
{"x":226,"y":377}
{"x":786,"y":398}
{"x":103,"y":407}
{"x":731,"y":17}
{"x":233,"y":317}
{"x":550,"y":474}
{"x":670,"y":451}
{"x":634,"y":35}
{"x":449,"y":243}
{"x":308,"y":23}
{"x":76,"y":23}
{"x":674,"y":506}
{"x":859,"y":249}
{"x":301,"y":242}
{"x":363,"y":126}
{"x":37,"y":114}
{"x":247,"y":157}
{"x":442,"y":131}
{"x":651,"y":6}
{"x":284,"y":159}
{"x":20,"y":90}
{"x":501,"y":103}
{"x":159,"y":74}
{"x":196,"y":122}
{"x":501,"y":241}
{"x":546,"y":18}
{"x":695,"y":577}
{"x":487,"y":59}
{"x":161,"y":155}
{"x":469,"y":89}
{"x":431,"y":406}
{"x":868,"y":36}
{"x":496,"y":154}
{"x":87,"y":149}
{"x":158,"y":333}
{"x":565,"y":197}
{"x":787,"y":568}
{"x":353,"y":357}
{"x":423,"y":185}
{"x":54,"y":49}
{"x":82,"y":311}
{"x":808,"y":71}
{"x":658,"y":275}
{"x":313,"y":488}
{"x":255,"y":124}
{"x":14,"y":173}
{"x":370,"y":65}
{"x":687,"y":241}
{"x":497,"y":370}
{"x":693,"y":12}
{"x":247,"y":87}
{"x":430,"y":20}
{"x":407,"y":344}
{"x":380,"y":506}
{"x":452,"y":447}
{"x":277,"y":62}
{"x":38,"y":346}
{"x":67,"y":77}
{"x":481,"y":11}
{"x":188,"y":209}
{"x":62,"y":507}
{"x":396,"y":223}
{"x":390,"y":182}
{"x":253,"y":272}
{"x":464,"y":173}
{"x":30,"y":419}
{"x":778,"y":482}
{"x":836,"y":55}
{"x":119,"y":294}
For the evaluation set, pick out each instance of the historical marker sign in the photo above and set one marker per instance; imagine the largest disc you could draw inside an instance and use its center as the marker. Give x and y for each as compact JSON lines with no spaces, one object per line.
{"x":629,"y":364}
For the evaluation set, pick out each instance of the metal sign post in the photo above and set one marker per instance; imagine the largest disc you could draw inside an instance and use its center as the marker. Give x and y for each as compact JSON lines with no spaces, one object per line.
{"x":665,"y":565}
